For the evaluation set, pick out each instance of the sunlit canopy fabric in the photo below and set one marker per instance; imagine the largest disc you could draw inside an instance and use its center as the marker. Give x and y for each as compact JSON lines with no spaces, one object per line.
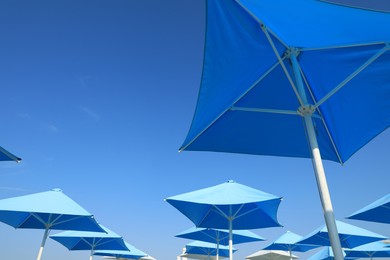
{"x":204,"y":248}
{"x":324,"y":254}
{"x":289,"y":242}
{"x":246,"y":103}
{"x":350,"y":236}
{"x":378,"y":211}
{"x":131,"y":253}
{"x":271,"y":255}
{"x":375,"y":249}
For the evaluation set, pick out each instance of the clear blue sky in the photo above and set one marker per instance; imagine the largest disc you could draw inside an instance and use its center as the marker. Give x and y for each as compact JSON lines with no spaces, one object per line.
{"x":97,"y":97}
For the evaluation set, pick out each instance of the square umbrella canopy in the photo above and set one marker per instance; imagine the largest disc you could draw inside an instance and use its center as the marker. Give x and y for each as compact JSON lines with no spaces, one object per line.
{"x":46,"y":210}
{"x":284,"y":79}
{"x":82,"y":240}
{"x":131,"y":253}
{"x":271,"y":255}
{"x":350,"y":236}
{"x":371,"y":250}
{"x":378,"y":211}
{"x":208,"y":249}
{"x":229,"y":205}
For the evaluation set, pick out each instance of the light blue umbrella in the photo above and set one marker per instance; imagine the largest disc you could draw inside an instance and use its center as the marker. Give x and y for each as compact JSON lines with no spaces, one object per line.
{"x":81,"y":240}
{"x":7,"y":156}
{"x":271,"y":255}
{"x":131,"y":252}
{"x":228,"y":206}
{"x":219,"y":236}
{"x":350,"y":236}
{"x":289,"y":242}
{"x":208,"y":249}
{"x":324,"y":254}
{"x":50,"y":210}
{"x":371,"y":250}
{"x":378,"y":211}
{"x":283,"y":78}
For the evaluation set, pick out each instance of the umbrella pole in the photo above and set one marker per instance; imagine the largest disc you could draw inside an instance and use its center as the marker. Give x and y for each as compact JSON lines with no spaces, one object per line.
{"x":43,"y":243}
{"x":317,"y":165}
{"x":291,"y":258}
{"x":230,"y":238}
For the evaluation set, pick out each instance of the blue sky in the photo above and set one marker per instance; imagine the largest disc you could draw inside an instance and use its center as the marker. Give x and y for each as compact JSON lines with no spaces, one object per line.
{"x":97,"y":97}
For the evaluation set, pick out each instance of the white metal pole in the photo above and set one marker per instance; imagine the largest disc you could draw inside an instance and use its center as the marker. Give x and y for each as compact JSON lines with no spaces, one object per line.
{"x":291,"y":258}
{"x":43,"y":243}
{"x":318,"y":169}
{"x":230,"y":238}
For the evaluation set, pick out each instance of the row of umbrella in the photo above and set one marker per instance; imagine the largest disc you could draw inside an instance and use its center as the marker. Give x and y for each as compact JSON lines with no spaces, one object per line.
{"x":235,"y":207}
{"x":53,"y":210}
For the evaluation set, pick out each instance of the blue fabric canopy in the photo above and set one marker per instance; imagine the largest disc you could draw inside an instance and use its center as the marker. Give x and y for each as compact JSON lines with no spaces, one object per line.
{"x":7,"y":156}
{"x":375,"y":249}
{"x":350,"y":236}
{"x":219,"y":236}
{"x":246,"y":102}
{"x":131,"y":252}
{"x":324,"y":254}
{"x":204,"y":248}
{"x":289,"y":242}
{"x":378,"y":211}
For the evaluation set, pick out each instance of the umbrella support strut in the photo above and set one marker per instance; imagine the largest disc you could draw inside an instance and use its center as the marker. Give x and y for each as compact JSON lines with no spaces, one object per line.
{"x":230,"y":239}
{"x":43,"y":243}
{"x":318,"y":166}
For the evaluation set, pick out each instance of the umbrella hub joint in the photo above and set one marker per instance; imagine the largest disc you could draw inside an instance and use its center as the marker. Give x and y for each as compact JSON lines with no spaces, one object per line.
{"x":306,"y":110}
{"x":292,"y":51}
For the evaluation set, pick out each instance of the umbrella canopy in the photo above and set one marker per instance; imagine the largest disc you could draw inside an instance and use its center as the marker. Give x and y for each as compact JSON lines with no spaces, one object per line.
{"x":227,"y":206}
{"x":131,"y":253}
{"x":378,"y":211}
{"x":350,"y":236}
{"x":81,"y":240}
{"x":271,"y":255}
{"x":324,"y":254}
{"x":289,"y":242}
{"x":46,"y":210}
{"x":200,"y":257}
{"x":207,"y":249}
{"x":7,"y":156}
{"x":279,"y":78}
{"x":219,"y":236}
{"x":375,"y":249}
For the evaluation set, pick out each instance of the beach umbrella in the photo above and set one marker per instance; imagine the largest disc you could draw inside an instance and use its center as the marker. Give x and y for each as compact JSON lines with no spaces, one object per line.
{"x":350,"y":236}
{"x":228,"y":206}
{"x":7,"y":156}
{"x":219,"y":236}
{"x":50,"y":210}
{"x":371,"y":250}
{"x":378,"y":211}
{"x":131,"y":253}
{"x":81,"y":240}
{"x":207,"y":249}
{"x":285,"y":79}
{"x":271,"y":255}
{"x":289,"y":242}
{"x":324,"y":254}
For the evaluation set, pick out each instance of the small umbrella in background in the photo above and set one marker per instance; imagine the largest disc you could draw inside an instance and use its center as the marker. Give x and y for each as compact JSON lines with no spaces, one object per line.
{"x":350,"y":236}
{"x":131,"y":253}
{"x":50,"y":210}
{"x":7,"y":156}
{"x":228,"y":206}
{"x":378,"y":211}
{"x":289,"y":242}
{"x":282,"y":78}
{"x":371,"y":250}
{"x":271,"y":255}
{"x":207,"y":249}
{"x":219,"y":236}
{"x":92,"y":241}
{"x":324,"y":254}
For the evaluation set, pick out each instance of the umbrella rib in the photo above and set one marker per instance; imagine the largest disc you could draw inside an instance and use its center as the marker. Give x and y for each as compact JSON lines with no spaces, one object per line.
{"x":352,"y":75}
{"x":38,"y":218}
{"x":68,"y":220}
{"x":342,"y":46}
{"x":264,"y":110}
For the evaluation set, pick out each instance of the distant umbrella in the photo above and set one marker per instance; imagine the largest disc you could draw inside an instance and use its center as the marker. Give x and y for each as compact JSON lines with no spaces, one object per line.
{"x":350,"y":236}
{"x":228,"y":206}
{"x":207,"y":249}
{"x":378,"y":211}
{"x":324,"y":254}
{"x":92,"y":241}
{"x":271,"y":255}
{"x":289,"y":242}
{"x":51,"y":210}
{"x":131,"y":253}
{"x":371,"y":250}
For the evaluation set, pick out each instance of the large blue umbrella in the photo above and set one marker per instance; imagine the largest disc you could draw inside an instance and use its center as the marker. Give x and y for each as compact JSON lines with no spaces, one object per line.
{"x":50,"y":210}
{"x":302,"y":79}
{"x":208,"y":249}
{"x":375,"y":249}
{"x":228,"y":206}
{"x":350,"y":236}
{"x":131,"y":252}
{"x":219,"y":236}
{"x":7,"y":156}
{"x":378,"y":211}
{"x":324,"y":254}
{"x":289,"y":242}
{"x":82,"y":240}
